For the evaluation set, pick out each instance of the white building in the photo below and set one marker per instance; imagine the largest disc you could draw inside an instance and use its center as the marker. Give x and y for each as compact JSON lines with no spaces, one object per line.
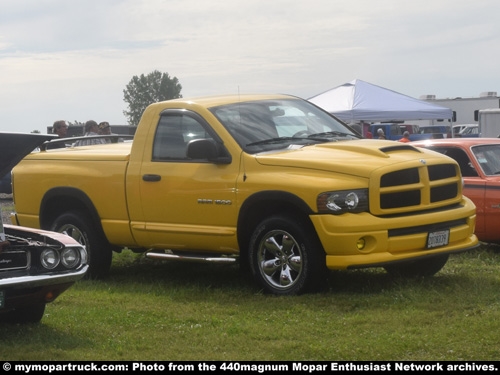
{"x":465,"y":110}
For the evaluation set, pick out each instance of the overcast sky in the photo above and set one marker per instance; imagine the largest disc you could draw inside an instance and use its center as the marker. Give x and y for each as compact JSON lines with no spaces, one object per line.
{"x":72,"y":59}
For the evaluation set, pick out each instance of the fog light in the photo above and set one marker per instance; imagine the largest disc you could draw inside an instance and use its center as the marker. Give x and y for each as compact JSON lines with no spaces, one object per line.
{"x":49,"y":259}
{"x":70,"y":257}
{"x":361,"y":244}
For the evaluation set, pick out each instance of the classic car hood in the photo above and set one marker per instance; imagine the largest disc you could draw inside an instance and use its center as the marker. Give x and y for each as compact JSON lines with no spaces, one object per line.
{"x":350,"y":157}
{"x":15,"y":146}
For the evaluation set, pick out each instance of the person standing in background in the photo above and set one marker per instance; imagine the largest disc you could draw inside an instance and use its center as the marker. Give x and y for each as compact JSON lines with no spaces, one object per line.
{"x":406,"y":137}
{"x":61,"y":129}
{"x":381,"y":134}
{"x":91,"y":130}
{"x":104,"y":129}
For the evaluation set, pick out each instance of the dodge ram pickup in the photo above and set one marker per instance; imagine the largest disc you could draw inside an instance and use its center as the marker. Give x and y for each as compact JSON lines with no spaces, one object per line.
{"x":271,"y":181}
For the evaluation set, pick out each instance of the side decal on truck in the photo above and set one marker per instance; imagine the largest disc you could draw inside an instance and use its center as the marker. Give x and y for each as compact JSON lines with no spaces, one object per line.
{"x":222,"y":202}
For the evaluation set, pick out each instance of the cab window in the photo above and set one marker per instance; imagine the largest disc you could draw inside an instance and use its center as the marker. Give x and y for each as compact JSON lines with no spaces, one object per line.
{"x":173,"y":134}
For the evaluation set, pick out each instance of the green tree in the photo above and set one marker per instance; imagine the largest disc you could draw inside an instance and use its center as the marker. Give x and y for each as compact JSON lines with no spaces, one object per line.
{"x":143,"y":90}
{"x":75,"y":123}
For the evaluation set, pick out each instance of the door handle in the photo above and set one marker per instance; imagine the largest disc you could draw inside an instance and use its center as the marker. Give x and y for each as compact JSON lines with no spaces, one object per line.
{"x":151,"y":177}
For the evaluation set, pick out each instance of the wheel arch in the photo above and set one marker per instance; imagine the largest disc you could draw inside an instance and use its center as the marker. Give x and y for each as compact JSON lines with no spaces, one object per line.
{"x":63,"y":199}
{"x":264,"y":204}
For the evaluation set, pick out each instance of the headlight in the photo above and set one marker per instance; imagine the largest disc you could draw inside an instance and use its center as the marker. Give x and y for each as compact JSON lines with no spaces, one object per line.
{"x":339,"y":202}
{"x":49,"y":259}
{"x":70,"y":257}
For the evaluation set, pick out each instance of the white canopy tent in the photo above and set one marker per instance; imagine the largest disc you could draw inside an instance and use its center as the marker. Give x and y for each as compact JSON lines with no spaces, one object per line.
{"x":358,"y":101}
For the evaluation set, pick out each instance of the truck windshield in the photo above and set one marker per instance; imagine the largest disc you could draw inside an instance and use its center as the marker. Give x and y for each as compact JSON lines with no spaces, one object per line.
{"x":268,"y":125}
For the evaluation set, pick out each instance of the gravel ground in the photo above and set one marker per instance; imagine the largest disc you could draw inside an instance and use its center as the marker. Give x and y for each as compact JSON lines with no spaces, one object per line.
{"x":6,"y":200}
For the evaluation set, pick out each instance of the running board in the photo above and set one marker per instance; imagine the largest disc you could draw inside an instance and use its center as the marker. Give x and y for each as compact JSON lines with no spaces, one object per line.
{"x":182,"y":258}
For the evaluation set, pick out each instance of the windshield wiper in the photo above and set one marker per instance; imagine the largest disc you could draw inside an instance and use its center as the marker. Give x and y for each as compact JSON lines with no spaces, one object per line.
{"x":315,"y":137}
{"x":330,"y":134}
{"x":272,"y":140}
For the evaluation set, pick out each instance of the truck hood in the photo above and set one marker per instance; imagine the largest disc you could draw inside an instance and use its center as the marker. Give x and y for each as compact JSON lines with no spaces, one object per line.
{"x":349,"y":157}
{"x":15,"y":146}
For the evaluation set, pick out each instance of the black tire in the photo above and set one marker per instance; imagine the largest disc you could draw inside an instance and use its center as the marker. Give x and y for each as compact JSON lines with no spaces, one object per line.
{"x":286,"y":258}
{"x":418,"y":268}
{"x":27,"y":314}
{"x":78,"y":225}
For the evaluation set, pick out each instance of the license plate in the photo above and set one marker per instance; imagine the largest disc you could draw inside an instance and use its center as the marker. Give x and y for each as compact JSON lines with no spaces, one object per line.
{"x":2,"y":299}
{"x":439,"y":238}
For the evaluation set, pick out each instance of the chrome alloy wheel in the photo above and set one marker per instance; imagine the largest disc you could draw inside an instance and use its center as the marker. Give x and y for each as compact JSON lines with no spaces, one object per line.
{"x":279,"y":259}
{"x":74,"y":232}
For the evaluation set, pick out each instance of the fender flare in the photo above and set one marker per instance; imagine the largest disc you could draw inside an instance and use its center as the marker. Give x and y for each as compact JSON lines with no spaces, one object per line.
{"x":77,"y":199}
{"x":247,"y":214}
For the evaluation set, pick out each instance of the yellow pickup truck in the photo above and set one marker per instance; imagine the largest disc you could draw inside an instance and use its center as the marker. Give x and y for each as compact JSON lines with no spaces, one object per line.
{"x":271,"y":181}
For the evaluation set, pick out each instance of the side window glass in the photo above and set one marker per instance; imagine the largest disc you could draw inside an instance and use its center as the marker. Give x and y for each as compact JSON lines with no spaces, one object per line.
{"x":466,"y":167}
{"x":173,"y":134}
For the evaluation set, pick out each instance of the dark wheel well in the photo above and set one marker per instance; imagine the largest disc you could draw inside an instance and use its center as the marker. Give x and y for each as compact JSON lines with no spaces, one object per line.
{"x":60,"y":200}
{"x":70,"y":211}
{"x":80,"y":227}
{"x":263,"y":205}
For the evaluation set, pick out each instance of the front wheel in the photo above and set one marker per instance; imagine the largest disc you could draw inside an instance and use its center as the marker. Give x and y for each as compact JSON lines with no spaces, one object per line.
{"x":79,"y":226}
{"x":285,"y":257}
{"x":418,"y":268}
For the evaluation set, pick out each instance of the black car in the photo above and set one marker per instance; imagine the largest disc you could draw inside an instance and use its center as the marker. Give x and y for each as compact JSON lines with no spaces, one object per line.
{"x":36,"y":266}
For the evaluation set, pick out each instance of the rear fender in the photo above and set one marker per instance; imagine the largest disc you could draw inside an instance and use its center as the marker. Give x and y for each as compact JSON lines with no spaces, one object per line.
{"x":63,"y":199}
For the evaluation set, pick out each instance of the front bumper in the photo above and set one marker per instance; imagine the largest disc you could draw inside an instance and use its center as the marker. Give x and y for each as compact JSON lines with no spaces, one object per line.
{"x":363,"y":240}
{"x":24,"y":291}
{"x":33,"y":281}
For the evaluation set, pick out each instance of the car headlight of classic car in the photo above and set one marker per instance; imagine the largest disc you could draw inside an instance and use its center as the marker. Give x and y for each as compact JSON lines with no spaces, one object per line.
{"x":68,"y":258}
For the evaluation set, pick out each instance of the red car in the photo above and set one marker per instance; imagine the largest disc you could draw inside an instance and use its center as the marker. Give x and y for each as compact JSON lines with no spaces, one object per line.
{"x":479,"y":161}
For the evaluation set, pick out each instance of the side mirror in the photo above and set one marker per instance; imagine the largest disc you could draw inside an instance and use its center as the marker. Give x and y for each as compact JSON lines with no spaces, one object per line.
{"x":206,"y":149}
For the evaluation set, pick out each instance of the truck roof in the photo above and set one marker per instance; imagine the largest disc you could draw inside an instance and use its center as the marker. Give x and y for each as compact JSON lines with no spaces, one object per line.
{"x":213,"y":101}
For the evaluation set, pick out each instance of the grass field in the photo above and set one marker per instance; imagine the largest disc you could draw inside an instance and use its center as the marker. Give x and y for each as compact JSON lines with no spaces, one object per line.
{"x":150,"y":310}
